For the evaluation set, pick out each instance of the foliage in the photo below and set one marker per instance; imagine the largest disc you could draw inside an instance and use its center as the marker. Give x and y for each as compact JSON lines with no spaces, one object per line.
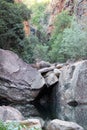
{"x":74,"y":43}
{"x":69,"y":44}
{"x":15,"y":126}
{"x":11,"y":1}
{"x":28,"y":48}
{"x":11,"y":27}
{"x":11,"y":126}
{"x":25,"y":13}
{"x":62,"y":21}
{"x":38,"y":14}
{"x":40,"y":52}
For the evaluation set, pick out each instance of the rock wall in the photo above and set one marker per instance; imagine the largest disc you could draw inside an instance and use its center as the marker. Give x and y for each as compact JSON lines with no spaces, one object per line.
{"x":73,"y":83}
{"x":81,"y":12}
{"x":78,"y":7}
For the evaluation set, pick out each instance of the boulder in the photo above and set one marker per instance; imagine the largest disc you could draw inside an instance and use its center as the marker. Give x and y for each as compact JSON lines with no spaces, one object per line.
{"x":31,"y":123}
{"x":47,"y":69}
{"x":59,"y":66}
{"x":57,"y":72}
{"x":40,"y":64}
{"x":73,"y":83}
{"x":63,"y":125}
{"x":18,"y":80}
{"x":51,"y":78}
{"x":10,"y":113}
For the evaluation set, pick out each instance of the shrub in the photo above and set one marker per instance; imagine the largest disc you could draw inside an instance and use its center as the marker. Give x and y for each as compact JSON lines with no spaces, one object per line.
{"x":15,"y":126}
{"x":11,"y":26}
{"x":62,"y":21}
{"x":41,"y":52}
{"x":74,"y":43}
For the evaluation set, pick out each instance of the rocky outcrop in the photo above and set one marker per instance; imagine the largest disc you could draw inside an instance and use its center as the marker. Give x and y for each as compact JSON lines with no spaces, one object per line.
{"x":26,"y":28}
{"x":50,"y":74}
{"x":73,"y":83}
{"x":56,"y":7}
{"x":10,"y":113}
{"x":63,"y":125}
{"x":78,"y":7}
{"x":81,"y":12}
{"x":18,"y":80}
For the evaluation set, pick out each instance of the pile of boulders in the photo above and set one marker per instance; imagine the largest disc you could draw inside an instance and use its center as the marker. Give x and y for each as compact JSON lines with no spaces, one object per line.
{"x":9,"y":114}
{"x":50,"y":72}
{"x":21,"y":83}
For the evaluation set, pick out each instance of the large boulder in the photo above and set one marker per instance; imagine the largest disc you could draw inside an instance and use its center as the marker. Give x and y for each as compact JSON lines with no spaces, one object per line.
{"x":18,"y":80}
{"x":73,"y":83}
{"x":63,"y":125}
{"x":10,"y":113}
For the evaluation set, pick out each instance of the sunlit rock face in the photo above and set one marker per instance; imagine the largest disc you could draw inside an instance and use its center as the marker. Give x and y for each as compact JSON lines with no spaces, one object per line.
{"x":18,"y":80}
{"x":56,"y":7}
{"x":78,"y":7}
{"x":26,"y":28}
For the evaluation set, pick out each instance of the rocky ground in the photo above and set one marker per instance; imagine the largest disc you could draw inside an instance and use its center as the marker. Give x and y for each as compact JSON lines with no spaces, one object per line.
{"x":23,"y":83}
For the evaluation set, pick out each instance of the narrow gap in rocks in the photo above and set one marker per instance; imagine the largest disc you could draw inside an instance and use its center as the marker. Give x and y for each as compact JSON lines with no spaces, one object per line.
{"x":44,"y":102}
{"x":4,"y":101}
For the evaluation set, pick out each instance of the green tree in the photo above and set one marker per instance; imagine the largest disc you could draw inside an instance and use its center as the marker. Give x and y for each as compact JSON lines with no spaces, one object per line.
{"x":29,"y":44}
{"x":11,"y":25}
{"x":62,"y":21}
{"x":41,"y":52}
{"x":74,"y":43}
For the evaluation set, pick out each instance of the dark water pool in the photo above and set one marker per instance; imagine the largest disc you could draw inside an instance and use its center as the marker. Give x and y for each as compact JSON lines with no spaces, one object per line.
{"x":46,"y":112}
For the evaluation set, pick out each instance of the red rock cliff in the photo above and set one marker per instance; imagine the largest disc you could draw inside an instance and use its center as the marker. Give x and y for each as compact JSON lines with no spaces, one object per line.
{"x":78,"y":7}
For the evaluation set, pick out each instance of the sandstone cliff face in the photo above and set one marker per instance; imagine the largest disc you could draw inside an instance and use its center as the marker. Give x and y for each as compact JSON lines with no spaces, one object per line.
{"x":56,"y":7}
{"x":79,"y":7}
{"x":26,"y":28}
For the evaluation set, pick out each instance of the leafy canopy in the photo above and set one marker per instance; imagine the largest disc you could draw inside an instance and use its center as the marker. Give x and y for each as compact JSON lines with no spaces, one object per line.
{"x":11,"y":24}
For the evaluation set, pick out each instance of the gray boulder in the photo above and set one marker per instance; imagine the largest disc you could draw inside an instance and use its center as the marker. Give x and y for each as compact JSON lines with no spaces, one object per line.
{"x":51,"y":78}
{"x":18,"y":80}
{"x":73,"y":83}
{"x":10,"y":113}
{"x":63,"y":125}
